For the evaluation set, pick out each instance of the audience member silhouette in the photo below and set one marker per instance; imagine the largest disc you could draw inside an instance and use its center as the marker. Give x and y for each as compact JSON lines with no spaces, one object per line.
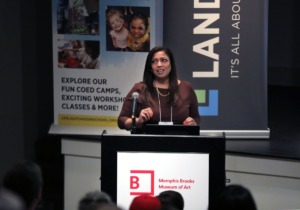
{"x":108,"y":206}
{"x":233,"y":197}
{"x":94,"y":200}
{"x":168,"y":208}
{"x":170,"y":198}
{"x":26,"y":181}
{"x":145,"y":202}
{"x":10,"y":201}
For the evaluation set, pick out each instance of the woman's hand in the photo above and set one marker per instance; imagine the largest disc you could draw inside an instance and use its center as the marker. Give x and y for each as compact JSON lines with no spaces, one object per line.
{"x":145,"y":115}
{"x":189,"y":121}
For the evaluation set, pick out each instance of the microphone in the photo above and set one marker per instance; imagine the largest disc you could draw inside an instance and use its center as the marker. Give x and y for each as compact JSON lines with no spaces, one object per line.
{"x":135,"y":95}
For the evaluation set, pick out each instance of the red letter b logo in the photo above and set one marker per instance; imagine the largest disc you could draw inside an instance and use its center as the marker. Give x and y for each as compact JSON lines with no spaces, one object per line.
{"x":134,"y":182}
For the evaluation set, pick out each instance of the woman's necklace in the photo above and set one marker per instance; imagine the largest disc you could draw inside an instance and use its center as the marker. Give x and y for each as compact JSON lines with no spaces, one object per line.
{"x":163,"y":95}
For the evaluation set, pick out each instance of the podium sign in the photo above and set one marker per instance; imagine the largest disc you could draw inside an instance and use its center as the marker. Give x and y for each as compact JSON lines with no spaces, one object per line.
{"x":138,"y":164}
{"x":154,"y":172}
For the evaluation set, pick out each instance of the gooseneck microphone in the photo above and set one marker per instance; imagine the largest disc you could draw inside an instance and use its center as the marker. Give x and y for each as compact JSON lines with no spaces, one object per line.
{"x":135,"y":95}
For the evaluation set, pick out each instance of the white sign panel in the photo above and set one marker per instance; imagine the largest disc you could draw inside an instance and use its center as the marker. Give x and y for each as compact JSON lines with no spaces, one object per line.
{"x":154,"y":172}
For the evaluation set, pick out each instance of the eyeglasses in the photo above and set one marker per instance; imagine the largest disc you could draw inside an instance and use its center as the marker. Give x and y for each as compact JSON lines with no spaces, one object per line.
{"x":162,"y":60}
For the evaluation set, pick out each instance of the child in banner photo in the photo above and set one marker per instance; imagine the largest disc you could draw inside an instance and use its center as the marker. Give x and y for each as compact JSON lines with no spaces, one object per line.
{"x":89,"y":58}
{"x":68,"y":53}
{"x":118,"y":32}
{"x":75,"y":48}
{"x":91,"y":16}
{"x":139,"y":36}
{"x":79,"y":54}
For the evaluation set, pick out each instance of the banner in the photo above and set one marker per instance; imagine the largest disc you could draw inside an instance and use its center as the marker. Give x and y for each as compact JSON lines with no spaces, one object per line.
{"x":97,"y":58}
{"x":221,"y":48}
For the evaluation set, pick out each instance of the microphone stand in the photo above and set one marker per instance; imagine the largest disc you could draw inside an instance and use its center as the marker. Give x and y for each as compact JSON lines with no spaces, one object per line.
{"x":133,"y":124}
{"x":135,"y":95}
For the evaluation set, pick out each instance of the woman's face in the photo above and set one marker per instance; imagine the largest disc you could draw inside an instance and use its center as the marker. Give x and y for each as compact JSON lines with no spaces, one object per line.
{"x":116,"y":22}
{"x":137,"y":28}
{"x":161,"y":66}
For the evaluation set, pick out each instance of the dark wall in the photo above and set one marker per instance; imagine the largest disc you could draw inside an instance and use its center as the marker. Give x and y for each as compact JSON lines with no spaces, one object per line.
{"x":11,"y":83}
{"x":26,"y":78}
{"x":26,"y":83}
{"x":284,"y":43}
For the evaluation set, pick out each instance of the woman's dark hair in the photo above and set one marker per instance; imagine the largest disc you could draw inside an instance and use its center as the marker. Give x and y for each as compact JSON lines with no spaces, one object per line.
{"x":149,"y":77}
{"x":233,"y":197}
{"x":170,"y":198}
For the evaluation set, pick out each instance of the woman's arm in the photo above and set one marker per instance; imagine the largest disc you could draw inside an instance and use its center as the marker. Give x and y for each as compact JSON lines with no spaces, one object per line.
{"x":124,"y":119}
{"x":194,"y":107}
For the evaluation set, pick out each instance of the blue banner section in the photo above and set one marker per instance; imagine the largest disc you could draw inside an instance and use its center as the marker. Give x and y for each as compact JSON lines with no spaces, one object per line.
{"x":221,"y":47}
{"x":213,"y":104}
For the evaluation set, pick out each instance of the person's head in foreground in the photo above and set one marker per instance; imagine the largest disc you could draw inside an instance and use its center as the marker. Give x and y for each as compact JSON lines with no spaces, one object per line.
{"x":145,"y":202}
{"x":10,"y":201}
{"x":171,"y":198}
{"x":26,"y":181}
{"x":93,"y":200}
{"x":233,"y":197}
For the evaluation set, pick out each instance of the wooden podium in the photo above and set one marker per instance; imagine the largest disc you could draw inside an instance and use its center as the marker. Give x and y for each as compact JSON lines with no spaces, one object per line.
{"x":191,"y":165}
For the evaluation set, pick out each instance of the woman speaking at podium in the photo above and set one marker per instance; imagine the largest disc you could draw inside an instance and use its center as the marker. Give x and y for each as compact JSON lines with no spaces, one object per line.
{"x":161,"y":98}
